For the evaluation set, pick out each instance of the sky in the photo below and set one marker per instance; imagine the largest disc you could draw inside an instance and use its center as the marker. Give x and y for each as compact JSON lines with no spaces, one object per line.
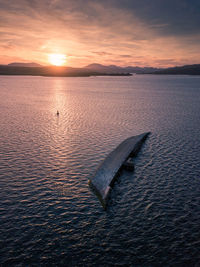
{"x":157,"y":33}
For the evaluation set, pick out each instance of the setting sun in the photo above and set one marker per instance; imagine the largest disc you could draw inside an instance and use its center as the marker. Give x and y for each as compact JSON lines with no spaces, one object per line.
{"x":57,"y":59}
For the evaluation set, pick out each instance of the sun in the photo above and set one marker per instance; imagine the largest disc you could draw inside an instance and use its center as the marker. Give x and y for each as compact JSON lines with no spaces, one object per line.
{"x":57,"y":59}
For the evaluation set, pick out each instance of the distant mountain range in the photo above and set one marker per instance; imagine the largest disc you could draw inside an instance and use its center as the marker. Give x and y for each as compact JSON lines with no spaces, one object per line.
{"x":52,"y":71}
{"x":29,"y":65}
{"x":95,"y":69}
{"x":117,"y":69}
{"x":187,"y":70}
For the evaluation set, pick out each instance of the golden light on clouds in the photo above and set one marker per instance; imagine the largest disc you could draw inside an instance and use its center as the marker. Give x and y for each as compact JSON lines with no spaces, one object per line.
{"x":57,"y":59}
{"x":89,"y":34}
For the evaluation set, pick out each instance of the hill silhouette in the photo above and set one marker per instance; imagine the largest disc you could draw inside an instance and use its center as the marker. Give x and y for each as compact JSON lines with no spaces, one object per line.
{"x":94,"y":69}
{"x":53,"y":71}
{"x":19,"y":64}
{"x":113,"y":68}
{"x":187,"y":70}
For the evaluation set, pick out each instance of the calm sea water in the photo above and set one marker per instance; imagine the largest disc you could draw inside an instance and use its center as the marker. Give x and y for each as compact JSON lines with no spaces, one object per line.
{"x":49,"y":216}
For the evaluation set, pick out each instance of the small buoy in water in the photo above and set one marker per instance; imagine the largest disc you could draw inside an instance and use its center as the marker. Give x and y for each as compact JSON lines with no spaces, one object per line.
{"x":57,"y":113}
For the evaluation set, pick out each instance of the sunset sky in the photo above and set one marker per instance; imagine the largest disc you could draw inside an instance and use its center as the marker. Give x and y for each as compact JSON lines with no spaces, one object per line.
{"x":159,"y":33}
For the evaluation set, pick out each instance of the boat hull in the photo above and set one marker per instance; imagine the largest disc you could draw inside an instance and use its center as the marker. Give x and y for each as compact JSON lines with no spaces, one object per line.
{"x":106,"y":173}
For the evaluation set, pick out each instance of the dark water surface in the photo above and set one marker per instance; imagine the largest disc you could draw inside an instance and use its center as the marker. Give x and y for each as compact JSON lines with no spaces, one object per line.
{"x":49,"y":216}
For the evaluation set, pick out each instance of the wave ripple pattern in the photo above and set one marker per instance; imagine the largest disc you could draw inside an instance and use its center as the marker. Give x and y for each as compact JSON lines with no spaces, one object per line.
{"x":48,"y":215}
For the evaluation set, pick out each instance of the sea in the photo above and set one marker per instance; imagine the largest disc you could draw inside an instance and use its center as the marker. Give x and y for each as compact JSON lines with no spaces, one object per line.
{"x":48,"y":214}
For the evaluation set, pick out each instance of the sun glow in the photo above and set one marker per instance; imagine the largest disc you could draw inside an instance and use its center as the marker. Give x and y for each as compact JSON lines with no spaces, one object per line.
{"x":57,"y":59}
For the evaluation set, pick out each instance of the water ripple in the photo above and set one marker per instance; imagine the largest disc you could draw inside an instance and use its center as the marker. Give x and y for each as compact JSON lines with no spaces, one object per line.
{"x":49,"y":216}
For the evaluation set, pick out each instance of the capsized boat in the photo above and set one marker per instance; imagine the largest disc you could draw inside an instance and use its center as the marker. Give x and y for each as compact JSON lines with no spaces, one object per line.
{"x":106,"y":173}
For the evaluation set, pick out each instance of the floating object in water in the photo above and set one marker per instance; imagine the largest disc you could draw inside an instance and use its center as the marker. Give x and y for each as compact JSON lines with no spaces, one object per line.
{"x":57,"y":113}
{"x":113,"y":163}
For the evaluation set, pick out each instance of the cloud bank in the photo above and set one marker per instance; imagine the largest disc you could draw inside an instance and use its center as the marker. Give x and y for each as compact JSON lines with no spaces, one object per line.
{"x":125,"y":32}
